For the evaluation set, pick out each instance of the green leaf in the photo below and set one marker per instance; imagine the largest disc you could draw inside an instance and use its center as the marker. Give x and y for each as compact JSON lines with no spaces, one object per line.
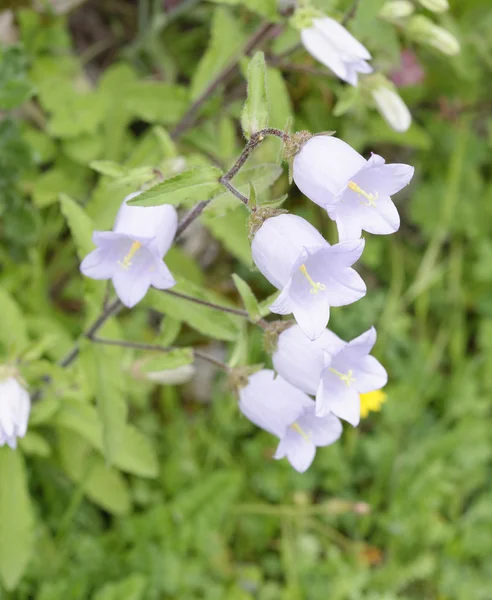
{"x":255,"y":112}
{"x":261,"y":176}
{"x":163,"y":361}
{"x":188,"y":187}
{"x":13,"y":328}
{"x":249,"y":299}
{"x":15,"y":87}
{"x":225,"y":47}
{"x":135,"y":454}
{"x":156,"y":102}
{"x":16,"y":518}
{"x":231,"y":230}
{"x":108,"y":167}
{"x":130,"y":588}
{"x":79,"y":223}
{"x":34,"y":443}
{"x":102,"y":484}
{"x":110,"y":404}
{"x":208,"y":321}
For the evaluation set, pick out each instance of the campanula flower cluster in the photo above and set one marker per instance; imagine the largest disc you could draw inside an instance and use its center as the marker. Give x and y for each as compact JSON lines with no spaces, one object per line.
{"x":320,"y":377}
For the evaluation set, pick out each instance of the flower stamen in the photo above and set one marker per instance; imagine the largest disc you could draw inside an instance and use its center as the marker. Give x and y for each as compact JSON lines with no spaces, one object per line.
{"x":316,"y":286}
{"x":126,"y":263}
{"x":371,"y":198}
{"x":349,"y":378}
{"x":301,"y":431}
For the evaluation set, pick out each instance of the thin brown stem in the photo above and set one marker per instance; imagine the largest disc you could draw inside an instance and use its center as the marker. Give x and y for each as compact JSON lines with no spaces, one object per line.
{"x":233,"y":311}
{"x":158,"y":348}
{"x":188,"y":219}
{"x":234,"y":191}
{"x":191,"y":114}
{"x":350,"y":14}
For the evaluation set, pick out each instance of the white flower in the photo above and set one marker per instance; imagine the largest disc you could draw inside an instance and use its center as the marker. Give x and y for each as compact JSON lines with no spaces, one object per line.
{"x":394,"y":10}
{"x":392,"y":108}
{"x":312,"y":275}
{"x":336,"y":48}
{"x":15,"y":406}
{"x":286,"y":412}
{"x":131,"y":255}
{"x":355,"y":192}
{"x":336,"y":371}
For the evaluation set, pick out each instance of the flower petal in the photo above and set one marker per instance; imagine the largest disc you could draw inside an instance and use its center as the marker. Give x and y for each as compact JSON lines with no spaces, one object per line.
{"x":336,"y":397}
{"x":370,"y":375}
{"x":312,"y":316}
{"x":131,"y":286}
{"x":341,"y":38}
{"x":161,"y":278}
{"x":320,"y":48}
{"x":323,"y":430}
{"x":300,"y":452}
{"x":323,"y":167}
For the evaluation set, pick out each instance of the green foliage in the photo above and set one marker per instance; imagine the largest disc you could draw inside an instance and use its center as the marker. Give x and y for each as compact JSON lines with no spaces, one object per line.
{"x":128,"y":488}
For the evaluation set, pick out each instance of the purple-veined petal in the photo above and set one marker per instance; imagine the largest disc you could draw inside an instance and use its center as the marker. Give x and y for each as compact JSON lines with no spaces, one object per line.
{"x":370,"y":375}
{"x":283,"y":304}
{"x":132,"y":284}
{"x":323,"y":430}
{"x":312,"y":316}
{"x":338,"y":398}
{"x":161,"y":277}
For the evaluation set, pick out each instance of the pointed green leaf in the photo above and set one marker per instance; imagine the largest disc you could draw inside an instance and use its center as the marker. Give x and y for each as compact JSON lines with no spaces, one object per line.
{"x":16,"y":518}
{"x":13,"y":328}
{"x":255,"y":111}
{"x":108,"y":167}
{"x":249,"y":299}
{"x":188,"y":187}
{"x":79,"y":223}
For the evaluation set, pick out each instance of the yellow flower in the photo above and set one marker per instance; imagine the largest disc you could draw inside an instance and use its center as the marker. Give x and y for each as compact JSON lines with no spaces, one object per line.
{"x":371,"y":402}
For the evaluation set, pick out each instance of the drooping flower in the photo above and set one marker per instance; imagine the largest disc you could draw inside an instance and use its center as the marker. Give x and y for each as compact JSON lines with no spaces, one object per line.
{"x":336,"y":371}
{"x":311,"y":274}
{"x":371,"y":402}
{"x":131,"y":255}
{"x":355,"y":192}
{"x":15,"y":406}
{"x":333,"y":46}
{"x":286,"y":412}
{"x":392,"y":108}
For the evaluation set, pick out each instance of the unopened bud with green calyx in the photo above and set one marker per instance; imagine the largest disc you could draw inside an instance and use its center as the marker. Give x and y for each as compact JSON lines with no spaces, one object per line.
{"x":271,"y":333}
{"x":424,"y":31}
{"x":259,"y":216}
{"x":388,"y":102}
{"x":395,"y":10}
{"x":304,"y":16}
{"x":437,"y":6}
{"x":238,"y":376}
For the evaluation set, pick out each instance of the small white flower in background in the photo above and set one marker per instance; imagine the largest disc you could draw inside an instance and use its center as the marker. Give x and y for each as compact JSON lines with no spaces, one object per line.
{"x":281,"y":409}
{"x":336,"y":371}
{"x":15,"y":406}
{"x":333,"y":46}
{"x":424,"y":31}
{"x":355,"y":192}
{"x":437,"y":6}
{"x":392,"y":108}
{"x":395,"y":10}
{"x":131,"y":255}
{"x":311,"y":274}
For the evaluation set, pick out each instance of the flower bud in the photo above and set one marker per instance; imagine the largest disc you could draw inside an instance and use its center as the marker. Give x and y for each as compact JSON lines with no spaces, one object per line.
{"x":15,"y":406}
{"x":437,"y":6}
{"x":424,"y":31}
{"x":395,"y":10}
{"x":392,"y":108}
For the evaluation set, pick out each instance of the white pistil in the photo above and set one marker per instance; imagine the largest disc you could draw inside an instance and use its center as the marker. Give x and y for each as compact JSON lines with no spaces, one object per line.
{"x":316,"y":286}
{"x":371,"y":198}
{"x":126,"y":263}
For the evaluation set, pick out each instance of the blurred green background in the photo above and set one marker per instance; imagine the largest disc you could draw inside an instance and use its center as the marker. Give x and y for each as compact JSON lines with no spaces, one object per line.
{"x":190,"y":505}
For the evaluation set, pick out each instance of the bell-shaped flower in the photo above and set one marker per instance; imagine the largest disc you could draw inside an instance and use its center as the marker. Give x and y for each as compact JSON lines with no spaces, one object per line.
{"x":333,"y":46}
{"x":131,"y":255}
{"x":281,"y":409}
{"x":311,"y":274}
{"x":336,"y":371}
{"x":355,"y":192}
{"x":15,"y":406}
{"x":392,"y":108}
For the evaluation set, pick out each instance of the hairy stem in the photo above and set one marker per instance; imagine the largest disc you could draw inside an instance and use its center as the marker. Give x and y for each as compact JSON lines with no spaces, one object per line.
{"x":233,"y":311}
{"x":157,"y":348}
